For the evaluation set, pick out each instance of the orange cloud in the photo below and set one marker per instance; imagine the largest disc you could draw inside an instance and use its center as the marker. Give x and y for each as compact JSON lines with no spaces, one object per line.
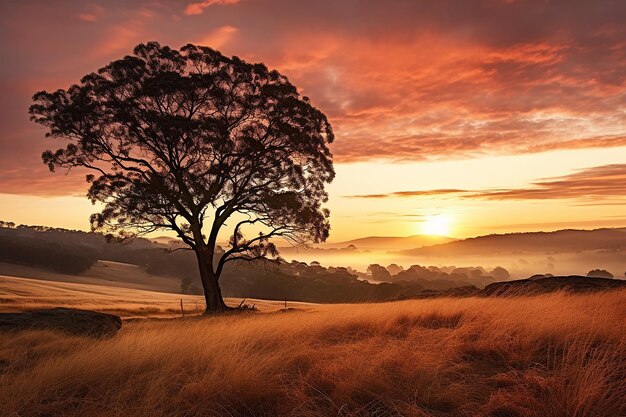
{"x":407,"y":80}
{"x":219,"y":37}
{"x":87,"y":17}
{"x":198,"y":7}
{"x":419,"y":193}
{"x":588,"y":185}
{"x":93,"y":13}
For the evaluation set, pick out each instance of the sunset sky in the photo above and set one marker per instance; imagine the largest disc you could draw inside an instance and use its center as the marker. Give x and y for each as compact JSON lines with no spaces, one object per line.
{"x":451,"y":117}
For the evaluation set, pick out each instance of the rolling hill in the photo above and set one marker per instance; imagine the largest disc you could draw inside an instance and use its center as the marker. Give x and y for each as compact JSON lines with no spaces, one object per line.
{"x":21,"y":294}
{"x":561,"y":241}
{"x":108,"y":273}
{"x":389,"y":243}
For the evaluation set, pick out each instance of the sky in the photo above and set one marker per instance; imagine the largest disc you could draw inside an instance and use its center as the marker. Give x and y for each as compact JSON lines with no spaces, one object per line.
{"x":451,"y":117}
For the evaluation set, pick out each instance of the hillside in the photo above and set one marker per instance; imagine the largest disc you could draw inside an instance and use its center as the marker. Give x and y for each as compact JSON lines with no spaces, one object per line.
{"x":561,"y":241}
{"x":19,"y":294}
{"x":389,"y":243}
{"x":75,"y":256}
{"x":361,"y":252}
{"x":109,"y":273}
{"x":543,"y":284}
{"x":547,"y":355}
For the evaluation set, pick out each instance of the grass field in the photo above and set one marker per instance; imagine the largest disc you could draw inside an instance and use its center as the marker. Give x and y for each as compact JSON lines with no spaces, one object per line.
{"x":545,"y":356}
{"x":18,"y":294}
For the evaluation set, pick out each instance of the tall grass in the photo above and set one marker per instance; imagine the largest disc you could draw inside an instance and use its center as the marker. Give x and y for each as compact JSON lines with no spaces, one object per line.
{"x":549,"y":355}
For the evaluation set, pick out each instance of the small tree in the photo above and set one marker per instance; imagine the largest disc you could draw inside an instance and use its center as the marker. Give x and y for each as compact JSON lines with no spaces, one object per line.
{"x":185,"y":284}
{"x":599,"y":273}
{"x":188,"y":139}
{"x":394,"y":269}
{"x":500,"y":274}
{"x":379,"y":273}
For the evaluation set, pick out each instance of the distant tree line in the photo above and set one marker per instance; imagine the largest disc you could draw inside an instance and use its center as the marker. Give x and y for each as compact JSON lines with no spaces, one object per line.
{"x":61,"y":250}
{"x":599,"y":273}
{"x":74,"y":252}
{"x":439,"y":278}
{"x":58,"y":258}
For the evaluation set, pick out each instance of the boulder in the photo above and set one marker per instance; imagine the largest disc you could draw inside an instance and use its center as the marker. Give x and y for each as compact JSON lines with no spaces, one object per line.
{"x":538,"y":284}
{"x":72,"y":321}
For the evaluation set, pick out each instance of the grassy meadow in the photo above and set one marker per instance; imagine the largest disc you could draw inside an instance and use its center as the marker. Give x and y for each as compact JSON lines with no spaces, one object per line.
{"x":18,"y":294}
{"x":546,"y":356}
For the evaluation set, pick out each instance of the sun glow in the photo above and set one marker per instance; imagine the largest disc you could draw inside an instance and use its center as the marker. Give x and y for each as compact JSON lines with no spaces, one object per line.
{"x":436,"y":225}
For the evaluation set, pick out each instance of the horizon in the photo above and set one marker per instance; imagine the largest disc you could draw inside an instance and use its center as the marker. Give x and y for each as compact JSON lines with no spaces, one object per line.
{"x":156,"y":235}
{"x":458,"y":126}
{"x":565,"y":252}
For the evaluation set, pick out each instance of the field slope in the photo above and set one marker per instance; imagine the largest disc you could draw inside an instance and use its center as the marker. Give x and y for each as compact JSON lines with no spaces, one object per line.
{"x":108,"y":273}
{"x":19,"y":294}
{"x":542,"y":356}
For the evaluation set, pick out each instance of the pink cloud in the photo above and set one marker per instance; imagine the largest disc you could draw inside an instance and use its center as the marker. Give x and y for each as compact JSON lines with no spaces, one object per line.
{"x":590,"y":185}
{"x":408,"y":80}
{"x":196,"y":8}
{"x":219,"y":37}
{"x":416,"y":193}
{"x":92,"y":13}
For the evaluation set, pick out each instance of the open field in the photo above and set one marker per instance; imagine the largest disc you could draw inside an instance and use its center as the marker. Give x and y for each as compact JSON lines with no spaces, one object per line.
{"x":19,"y":294}
{"x":545,"y":356}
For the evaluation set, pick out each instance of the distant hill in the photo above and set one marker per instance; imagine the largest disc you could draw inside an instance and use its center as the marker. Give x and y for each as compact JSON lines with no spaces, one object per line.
{"x":74,"y":256}
{"x":561,"y":241}
{"x":544,"y":284}
{"x":539,"y":284}
{"x":167,"y":240}
{"x":109,"y":273}
{"x":390,"y":243}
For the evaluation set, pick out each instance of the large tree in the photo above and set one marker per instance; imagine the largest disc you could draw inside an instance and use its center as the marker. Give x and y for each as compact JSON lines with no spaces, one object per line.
{"x":188,"y":139}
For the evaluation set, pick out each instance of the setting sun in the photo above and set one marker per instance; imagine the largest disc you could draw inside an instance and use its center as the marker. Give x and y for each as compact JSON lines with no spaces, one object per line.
{"x":436,"y":225}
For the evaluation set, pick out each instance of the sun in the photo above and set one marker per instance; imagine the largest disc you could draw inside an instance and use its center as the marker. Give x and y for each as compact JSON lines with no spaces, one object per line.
{"x":436,"y":225}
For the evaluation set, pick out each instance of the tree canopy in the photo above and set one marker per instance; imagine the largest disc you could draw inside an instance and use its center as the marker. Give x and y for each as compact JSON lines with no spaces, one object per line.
{"x":187,"y":139}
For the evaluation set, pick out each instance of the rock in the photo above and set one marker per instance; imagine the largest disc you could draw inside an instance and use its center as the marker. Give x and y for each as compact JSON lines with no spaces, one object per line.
{"x":543,"y":284}
{"x":72,"y":321}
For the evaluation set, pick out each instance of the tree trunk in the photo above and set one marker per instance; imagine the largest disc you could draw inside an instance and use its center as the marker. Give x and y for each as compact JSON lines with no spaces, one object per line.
{"x":210,"y":285}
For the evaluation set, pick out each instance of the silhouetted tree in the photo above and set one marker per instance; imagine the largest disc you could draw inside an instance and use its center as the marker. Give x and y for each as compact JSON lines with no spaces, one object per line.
{"x":599,"y":273}
{"x":188,"y":139}
{"x":185,"y":284}
{"x":379,"y":273}
{"x":500,"y":274}
{"x":394,"y":269}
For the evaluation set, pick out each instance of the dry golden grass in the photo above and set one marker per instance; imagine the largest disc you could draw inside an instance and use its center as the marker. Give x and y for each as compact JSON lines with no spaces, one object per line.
{"x":18,"y":294}
{"x":545,"y":356}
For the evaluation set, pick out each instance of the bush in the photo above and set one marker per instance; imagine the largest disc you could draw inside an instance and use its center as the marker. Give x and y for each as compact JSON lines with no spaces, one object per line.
{"x":599,"y":273}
